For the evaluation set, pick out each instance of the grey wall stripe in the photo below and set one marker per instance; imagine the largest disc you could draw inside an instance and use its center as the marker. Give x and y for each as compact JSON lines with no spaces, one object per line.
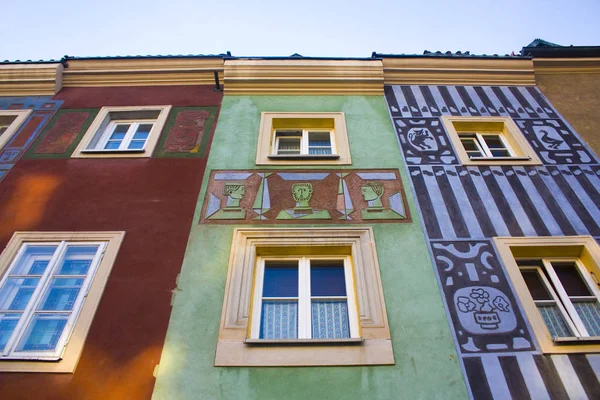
{"x":477,"y":379}
{"x":411,"y":102}
{"x":467,"y":100}
{"x":539,"y":98}
{"x":453,"y":108}
{"x":569,"y":377}
{"x":551,"y":379}
{"x":535,"y":384}
{"x":422,"y":195}
{"x":464,"y":203}
{"x":594,"y":360}
{"x":505,"y":209}
{"x":490,"y":203}
{"x":524,"y":104}
{"x":514,"y":378}
{"x":534,"y":104}
{"x":434,"y":108}
{"x":439,"y":207}
{"x":586,"y":375}
{"x":550,"y":201}
{"x":589,"y":181}
{"x":452,"y":206}
{"x":478,"y":209}
{"x":490,"y":107}
{"x":508,"y":106}
{"x":421,"y":103}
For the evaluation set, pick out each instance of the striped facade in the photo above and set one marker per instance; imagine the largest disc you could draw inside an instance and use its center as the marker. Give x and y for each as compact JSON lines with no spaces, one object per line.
{"x":464,"y":207}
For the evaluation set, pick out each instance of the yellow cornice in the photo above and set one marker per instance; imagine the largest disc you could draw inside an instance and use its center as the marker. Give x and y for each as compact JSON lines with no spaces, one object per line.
{"x":303,"y":77}
{"x":142,"y":72}
{"x":457,"y":71}
{"x":30,"y":79}
{"x":545,"y":66}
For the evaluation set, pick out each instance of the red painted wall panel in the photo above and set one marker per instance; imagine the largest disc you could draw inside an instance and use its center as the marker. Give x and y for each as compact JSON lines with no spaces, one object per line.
{"x":153,"y":200}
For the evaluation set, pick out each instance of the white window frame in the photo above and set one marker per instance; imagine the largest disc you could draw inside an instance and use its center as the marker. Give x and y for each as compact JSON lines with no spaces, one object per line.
{"x":10,"y":350}
{"x":482,"y":146}
{"x":11,"y":129}
{"x":304,"y":142}
{"x":559,"y":295}
{"x":304,"y":296}
{"x":133,"y":127}
{"x":98,"y":131}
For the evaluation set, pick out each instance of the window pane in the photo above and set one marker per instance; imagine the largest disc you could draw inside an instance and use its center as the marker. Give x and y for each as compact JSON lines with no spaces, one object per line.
{"x":77,"y":260}
{"x":143,"y":131}
{"x":319,"y":139}
{"x":34,"y":260}
{"x":136,"y":144}
{"x":469,"y":144}
{"x":535,"y":285}
{"x":327,"y":278}
{"x":289,"y":146}
{"x":554,"y":321}
{"x":16,"y":293}
{"x":589,"y":312}
{"x":8,"y":322}
{"x":119,"y":132}
{"x":493,"y":142}
{"x":500,"y":153}
{"x":281,"y":279}
{"x":570,"y":279}
{"x":279,"y":320}
{"x":112,"y":145}
{"x":43,"y":332}
{"x":330,"y":320}
{"x":61,"y":294}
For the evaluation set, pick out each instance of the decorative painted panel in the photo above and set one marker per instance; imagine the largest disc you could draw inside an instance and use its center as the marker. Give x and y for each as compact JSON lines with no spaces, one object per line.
{"x":187,"y":132}
{"x":62,"y":134}
{"x":275,"y":196}
{"x":43,"y":108}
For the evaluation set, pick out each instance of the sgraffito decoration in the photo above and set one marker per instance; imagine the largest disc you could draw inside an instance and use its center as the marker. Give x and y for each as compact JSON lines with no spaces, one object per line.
{"x":424,"y":141}
{"x":484,"y":312}
{"x":187,"y":132}
{"x":554,"y":142}
{"x":271,"y":197}
{"x":63,"y":130}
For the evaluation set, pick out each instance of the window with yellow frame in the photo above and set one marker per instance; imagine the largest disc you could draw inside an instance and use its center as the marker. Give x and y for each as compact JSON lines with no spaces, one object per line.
{"x":556,"y":279}
{"x":489,"y":141}
{"x":302,"y":138}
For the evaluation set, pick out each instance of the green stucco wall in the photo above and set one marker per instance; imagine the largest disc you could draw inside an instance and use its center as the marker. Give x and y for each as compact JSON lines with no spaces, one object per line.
{"x":426,"y":363}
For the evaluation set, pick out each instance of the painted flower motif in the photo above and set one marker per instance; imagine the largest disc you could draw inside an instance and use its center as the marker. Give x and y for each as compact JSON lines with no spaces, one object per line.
{"x":464,"y":304}
{"x":501,"y":304}
{"x":480,"y":295}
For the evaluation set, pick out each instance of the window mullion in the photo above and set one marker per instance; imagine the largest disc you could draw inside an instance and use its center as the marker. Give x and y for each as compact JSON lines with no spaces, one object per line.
{"x":129,"y":135}
{"x":34,"y":300}
{"x":304,"y":322}
{"x":351,"y":299}
{"x":304,"y":141}
{"x":507,"y":145}
{"x":106,"y":136}
{"x":483,"y":145}
{"x":256,"y":315}
{"x":564,"y":297}
{"x":587,"y":277}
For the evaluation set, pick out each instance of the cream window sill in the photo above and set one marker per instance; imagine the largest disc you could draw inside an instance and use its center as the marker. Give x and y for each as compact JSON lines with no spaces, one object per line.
{"x":304,"y":342}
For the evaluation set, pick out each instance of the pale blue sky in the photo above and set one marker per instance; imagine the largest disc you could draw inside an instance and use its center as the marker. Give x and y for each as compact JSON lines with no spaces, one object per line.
{"x":50,"y":29}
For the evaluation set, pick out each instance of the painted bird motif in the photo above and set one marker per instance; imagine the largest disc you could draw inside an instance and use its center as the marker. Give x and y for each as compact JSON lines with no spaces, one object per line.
{"x":418,"y":138}
{"x":551,"y":142}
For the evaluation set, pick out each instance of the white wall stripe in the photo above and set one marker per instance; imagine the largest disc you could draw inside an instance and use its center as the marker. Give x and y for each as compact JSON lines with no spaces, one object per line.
{"x":466,"y":209}
{"x":569,"y":378}
{"x":438,"y":204}
{"x":514,"y":102}
{"x":457,"y":100}
{"x":532,"y":101}
{"x":420,"y":101}
{"x":401,"y":101}
{"x":539,"y":203}
{"x":477,"y":101}
{"x":513,"y":201}
{"x":492,"y":210}
{"x":495,"y":100}
{"x":564,"y":204}
{"x":439,"y":100}
{"x":532,"y":376}
{"x":594,"y":360}
{"x":588,"y":203}
{"x":495,"y":377}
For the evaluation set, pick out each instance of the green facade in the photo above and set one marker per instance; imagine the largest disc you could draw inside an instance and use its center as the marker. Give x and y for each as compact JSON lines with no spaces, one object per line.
{"x":426,"y":367}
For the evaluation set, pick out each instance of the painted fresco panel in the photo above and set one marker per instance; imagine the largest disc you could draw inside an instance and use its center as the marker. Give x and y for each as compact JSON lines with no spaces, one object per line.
{"x":317,"y":196}
{"x":424,"y":141}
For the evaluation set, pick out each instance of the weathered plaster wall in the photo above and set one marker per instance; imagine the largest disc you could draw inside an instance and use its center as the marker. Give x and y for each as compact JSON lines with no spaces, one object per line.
{"x":576,"y":97}
{"x":421,"y":338}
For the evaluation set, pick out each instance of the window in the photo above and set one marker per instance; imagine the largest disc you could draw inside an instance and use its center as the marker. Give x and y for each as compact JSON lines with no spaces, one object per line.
{"x":50,"y":285}
{"x":304,"y":143}
{"x":489,"y":141}
{"x":288,"y":288}
{"x":302,"y":139}
{"x":304,"y":298}
{"x":10,"y":122}
{"x":556,"y":279}
{"x":565,"y":295}
{"x":123,"y":132}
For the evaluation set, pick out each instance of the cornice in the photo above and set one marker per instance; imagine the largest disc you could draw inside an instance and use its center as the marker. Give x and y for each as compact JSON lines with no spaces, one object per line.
{"x":458,"y":71}
{"x":142,"y":72}
{"x":545,"y":66}
{"x":303,"y":77}
{"x":30,"y":79}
